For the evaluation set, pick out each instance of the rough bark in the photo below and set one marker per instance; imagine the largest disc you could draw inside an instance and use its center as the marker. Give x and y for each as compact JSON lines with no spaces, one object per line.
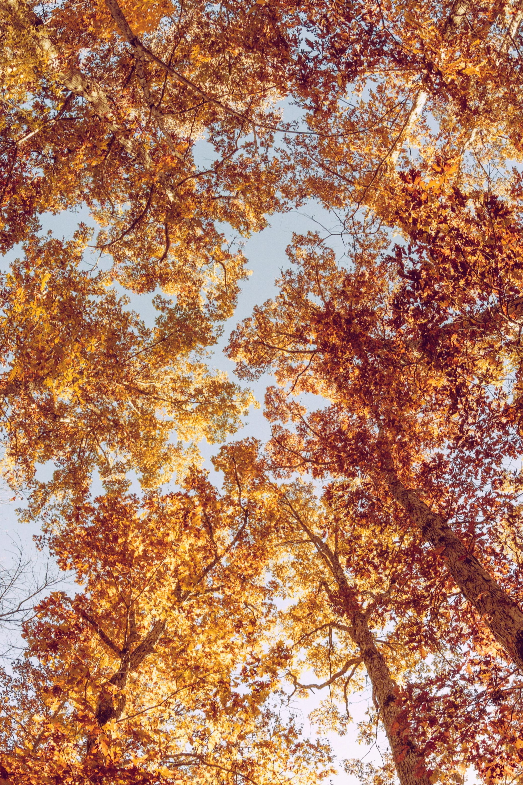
{"x":394,"y":712}
{"x":502,"y":615}
{"x":111,"y":702}
{"x":513,"y":28}
{"x":455,"y":18}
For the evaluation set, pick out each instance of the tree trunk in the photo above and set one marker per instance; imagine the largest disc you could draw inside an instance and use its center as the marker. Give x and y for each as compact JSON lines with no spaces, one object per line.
{"x":111,"y":704}
{"x":512,"y":29}
{"x":503,"y":616}
{"x":453,"y":21}
{"x":455,"y":18}
{"x":112,"y":698}
{"x":412,"y":118}
{"x":394,"y":712}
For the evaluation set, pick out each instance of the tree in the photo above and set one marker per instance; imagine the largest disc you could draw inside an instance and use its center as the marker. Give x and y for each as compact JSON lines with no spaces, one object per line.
{"x":88,"y":386}
{"x":155,"y":670}
{"x":358,"y":591}
{"x":95,"y":115}
{"x":424,"y":82}
{"x":416,"y":349}
{"x":123,"y":140}
{"x":334,"y":333}
{"x":120,"y":156}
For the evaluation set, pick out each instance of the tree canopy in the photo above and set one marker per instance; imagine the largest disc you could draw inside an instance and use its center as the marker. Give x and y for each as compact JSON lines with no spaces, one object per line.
{"x":375,"y":541}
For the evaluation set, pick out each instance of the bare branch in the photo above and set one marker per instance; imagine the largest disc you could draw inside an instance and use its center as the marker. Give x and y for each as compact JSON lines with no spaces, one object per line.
{"x":355,"y":661}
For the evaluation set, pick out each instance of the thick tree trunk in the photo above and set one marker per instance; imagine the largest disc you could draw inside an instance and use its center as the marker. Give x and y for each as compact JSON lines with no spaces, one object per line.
{"x":394,"y":712}
{"x":503,"y":616}
{"x":112,"y":697}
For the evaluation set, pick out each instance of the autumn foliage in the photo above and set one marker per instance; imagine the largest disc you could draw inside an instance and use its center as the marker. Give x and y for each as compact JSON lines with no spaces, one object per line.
{"x":374,"y":543}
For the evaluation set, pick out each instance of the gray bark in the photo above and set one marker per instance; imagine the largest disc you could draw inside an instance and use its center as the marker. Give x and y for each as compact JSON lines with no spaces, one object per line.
{"x":394,"y":714}
{"x":502,"y":615}
{"x":393,"y":710}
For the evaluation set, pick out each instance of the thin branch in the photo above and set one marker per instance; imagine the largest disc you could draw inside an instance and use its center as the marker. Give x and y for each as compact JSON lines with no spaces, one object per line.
{"x":99,"y":631}
{"x":356,"y":661}
{"x":161,"y":703}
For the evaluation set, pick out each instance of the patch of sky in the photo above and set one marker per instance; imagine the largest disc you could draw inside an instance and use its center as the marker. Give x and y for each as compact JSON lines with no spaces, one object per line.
{"x":345,"y":743}
{"x":28,"y":573}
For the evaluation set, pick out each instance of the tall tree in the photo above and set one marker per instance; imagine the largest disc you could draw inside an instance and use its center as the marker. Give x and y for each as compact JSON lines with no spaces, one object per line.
{"x":108,"y":113}
{"x":155,"y":669}
{"x":422,"y":81}
{"x":360,"y":594}
{"x":392,"y":418}
{"x":417,"y":352}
